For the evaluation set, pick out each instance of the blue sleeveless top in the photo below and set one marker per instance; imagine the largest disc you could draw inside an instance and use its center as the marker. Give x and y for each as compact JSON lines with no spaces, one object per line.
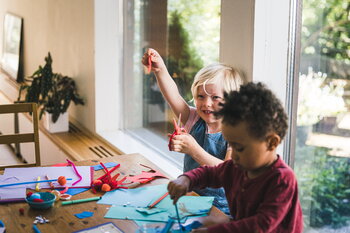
{"x":216,"y":145}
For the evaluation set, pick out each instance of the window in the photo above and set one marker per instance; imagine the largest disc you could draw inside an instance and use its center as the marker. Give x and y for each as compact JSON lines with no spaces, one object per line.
{"x":176,"y":29}
{"x":322,"y":154}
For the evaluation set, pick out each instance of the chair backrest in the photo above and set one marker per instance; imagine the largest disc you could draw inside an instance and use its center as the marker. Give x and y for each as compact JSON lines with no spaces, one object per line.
{"x":24,"y":137}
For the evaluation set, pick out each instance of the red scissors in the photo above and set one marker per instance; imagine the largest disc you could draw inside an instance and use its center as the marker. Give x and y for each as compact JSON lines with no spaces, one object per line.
{"x":177,"y":130}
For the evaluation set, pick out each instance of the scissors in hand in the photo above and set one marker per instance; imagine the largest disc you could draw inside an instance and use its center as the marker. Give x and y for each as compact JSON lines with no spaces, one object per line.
{"x":177,"y":130}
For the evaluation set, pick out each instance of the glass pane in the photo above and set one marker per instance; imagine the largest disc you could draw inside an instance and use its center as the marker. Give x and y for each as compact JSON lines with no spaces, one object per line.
{"x":322,"y":159}
{"x":187,"y":35}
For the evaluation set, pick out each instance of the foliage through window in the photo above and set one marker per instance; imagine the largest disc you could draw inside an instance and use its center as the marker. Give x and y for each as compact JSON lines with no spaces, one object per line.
{"x":187,"y":36}
{"x":322,"y":159}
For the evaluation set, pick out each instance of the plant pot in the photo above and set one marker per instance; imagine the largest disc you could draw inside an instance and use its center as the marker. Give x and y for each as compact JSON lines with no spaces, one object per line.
{"x":61,"y":125}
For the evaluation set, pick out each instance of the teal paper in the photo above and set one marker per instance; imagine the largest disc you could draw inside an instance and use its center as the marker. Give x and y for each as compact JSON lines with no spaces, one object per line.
{"x":129,"y":212}
{"x":188,"y":206}
{"x":148,"y":211}
{"x":138,"y":197}
{"x":133,"y":203}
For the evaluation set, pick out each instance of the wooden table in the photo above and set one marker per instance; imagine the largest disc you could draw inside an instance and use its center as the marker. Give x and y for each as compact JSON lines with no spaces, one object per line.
{"x":62,"y":218}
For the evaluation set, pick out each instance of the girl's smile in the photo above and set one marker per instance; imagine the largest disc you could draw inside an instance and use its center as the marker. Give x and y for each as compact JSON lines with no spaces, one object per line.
{"x":207,"y":102}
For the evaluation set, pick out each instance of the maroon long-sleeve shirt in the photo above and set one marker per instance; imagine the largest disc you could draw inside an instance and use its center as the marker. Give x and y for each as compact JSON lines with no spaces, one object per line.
{"x":268,"y":203}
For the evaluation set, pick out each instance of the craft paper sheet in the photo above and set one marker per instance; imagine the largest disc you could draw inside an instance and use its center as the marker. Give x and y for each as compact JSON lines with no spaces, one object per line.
{"x":11,"y":193}
{"x":32,"y":173}
{"x":133,"y":204}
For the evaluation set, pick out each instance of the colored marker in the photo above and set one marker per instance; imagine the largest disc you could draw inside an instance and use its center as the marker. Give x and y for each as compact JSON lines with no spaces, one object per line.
{"x":158,"y":200}
{"x":80,"y":200}
{"x":30,"y":182}
{"x":36,"y":229}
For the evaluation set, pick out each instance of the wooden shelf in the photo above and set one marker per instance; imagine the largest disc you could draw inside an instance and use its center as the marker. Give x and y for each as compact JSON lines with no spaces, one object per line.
{"x":81,"y":144}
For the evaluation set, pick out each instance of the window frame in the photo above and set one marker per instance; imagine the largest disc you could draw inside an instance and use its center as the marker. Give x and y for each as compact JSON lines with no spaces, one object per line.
{"x":248,"y":50}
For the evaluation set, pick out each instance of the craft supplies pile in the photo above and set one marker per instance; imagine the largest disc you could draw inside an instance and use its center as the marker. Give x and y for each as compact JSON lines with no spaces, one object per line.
{"x":41,"y":187}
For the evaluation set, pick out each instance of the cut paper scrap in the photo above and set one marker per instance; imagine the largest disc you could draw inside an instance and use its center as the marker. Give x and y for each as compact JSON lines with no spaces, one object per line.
{"x":138,"y":197}
{"x":129,"y":212}
{"x":75,"y":191}
{"x":188,"y":206}
{"x":85,"y":214}
{"x":142,"y":197}
{"x":107,"y":165}
{"x":32,"y":173}
{"x":126,"y":202}
{"x":145,"y":176}
{"x":148,"y":211}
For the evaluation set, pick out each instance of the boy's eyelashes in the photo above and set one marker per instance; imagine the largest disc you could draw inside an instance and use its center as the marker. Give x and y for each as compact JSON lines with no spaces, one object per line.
{"x":237,"y":147}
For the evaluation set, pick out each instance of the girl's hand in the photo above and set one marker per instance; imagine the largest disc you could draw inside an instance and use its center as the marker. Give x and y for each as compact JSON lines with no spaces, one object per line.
{"x":179,"y":187}
{"x":157,"y":63}
{"x":184,"y":143}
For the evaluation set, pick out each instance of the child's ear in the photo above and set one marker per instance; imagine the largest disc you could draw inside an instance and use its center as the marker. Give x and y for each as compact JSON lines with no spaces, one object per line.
{"x":273,"y":140}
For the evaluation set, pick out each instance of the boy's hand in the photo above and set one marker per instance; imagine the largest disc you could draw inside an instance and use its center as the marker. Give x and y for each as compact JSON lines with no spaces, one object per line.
{"x":184,"y":143}
{"x":210,"y":221}
{"x":153,"y":57}
{"x":179,"y":187}
{"x":200,"y":230}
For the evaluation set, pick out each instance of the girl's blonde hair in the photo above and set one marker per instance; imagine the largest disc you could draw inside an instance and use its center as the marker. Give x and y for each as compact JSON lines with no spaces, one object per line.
{"x":215,"y":74}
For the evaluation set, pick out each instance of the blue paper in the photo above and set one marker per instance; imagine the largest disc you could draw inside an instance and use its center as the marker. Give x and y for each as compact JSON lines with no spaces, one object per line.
{"x":107,"y":165}
{"x":84,"y":214}
{"x":74,"y":191}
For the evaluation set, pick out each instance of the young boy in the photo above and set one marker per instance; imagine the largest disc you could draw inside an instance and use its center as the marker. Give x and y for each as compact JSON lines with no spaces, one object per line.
{"x":261,"y":189}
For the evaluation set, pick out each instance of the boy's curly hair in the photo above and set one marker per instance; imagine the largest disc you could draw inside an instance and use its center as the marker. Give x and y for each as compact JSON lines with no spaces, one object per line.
{"x":256,"y":105}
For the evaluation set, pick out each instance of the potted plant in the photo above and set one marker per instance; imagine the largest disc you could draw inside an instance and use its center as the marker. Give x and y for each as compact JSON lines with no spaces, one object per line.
{"x":53,"y":92}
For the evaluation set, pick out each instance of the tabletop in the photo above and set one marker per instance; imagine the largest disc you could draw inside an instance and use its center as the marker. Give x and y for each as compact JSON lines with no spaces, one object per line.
{"x":62,"y":218}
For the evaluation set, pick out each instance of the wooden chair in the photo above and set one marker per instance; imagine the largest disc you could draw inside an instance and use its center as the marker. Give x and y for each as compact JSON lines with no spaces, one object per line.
{"x":24,"y":137}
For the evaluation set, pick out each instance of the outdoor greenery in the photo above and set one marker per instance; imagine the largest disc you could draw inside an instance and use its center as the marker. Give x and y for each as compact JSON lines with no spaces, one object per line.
{"x":53,"y":92}
{"x":325,"y":182}
{"x":325,"y":36}
{"x":202,"y":24}
{"x":182,"y":61}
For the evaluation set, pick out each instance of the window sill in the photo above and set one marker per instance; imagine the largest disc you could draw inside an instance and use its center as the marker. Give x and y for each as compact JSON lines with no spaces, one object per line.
{"x":128,"y":144}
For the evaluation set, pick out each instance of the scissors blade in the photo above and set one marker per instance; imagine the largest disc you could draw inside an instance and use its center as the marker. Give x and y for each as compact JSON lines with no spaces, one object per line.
{"x":179,"y":120}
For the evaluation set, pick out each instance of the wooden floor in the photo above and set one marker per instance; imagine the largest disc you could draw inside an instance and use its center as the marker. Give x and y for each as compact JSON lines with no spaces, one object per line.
{"x":7,"y":157}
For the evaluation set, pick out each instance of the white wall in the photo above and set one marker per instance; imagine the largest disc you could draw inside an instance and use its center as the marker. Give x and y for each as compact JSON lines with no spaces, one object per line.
{"x":66,"y":29}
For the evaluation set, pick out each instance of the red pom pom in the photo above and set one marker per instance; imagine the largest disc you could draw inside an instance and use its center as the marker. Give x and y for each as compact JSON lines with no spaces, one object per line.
{"x":106,"y":188}
{"x":62,"y":180}
{"x":29,"y":194}
{"x":97,"y":183}
{"x":21,"y":211}
{"x":38,"y":200}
